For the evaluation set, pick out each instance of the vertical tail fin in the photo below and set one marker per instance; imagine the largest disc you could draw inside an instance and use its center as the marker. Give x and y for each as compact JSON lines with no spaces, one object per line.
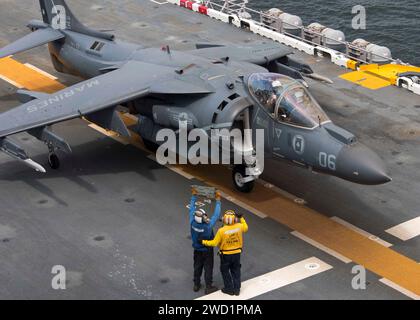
{"x":57,"y":14}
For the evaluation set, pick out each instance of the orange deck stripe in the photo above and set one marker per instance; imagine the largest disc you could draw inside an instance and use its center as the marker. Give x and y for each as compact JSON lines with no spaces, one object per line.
{"x":381,"y":260}
{"x":27,"y":77}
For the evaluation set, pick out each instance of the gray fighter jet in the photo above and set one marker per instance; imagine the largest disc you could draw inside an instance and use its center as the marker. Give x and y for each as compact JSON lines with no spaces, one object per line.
{"x":214,"y":86}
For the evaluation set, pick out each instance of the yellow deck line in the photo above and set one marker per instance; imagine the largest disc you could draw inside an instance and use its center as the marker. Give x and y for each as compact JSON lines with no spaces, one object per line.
{"x":383,"y":261}
{"x":388,"y":71}
{"x":374,"y":76}
{"x":365,"y":79}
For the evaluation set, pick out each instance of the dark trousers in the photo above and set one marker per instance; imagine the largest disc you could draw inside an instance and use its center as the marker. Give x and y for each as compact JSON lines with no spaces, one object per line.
{"x":230,"y":267}
{"x":203,"y":260}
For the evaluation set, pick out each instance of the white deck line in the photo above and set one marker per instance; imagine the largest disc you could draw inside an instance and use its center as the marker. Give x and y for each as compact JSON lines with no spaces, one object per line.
{"x":362,"y":232}
{"x":13,"y":83}
{"x":282,"y":192}
{"x":180,"y":172}
{"x":157,"y":2}
{"x":321,"y":247}
{"x":109,"y":134}
{"x":274,"y":280}
{"x":173,"y":168}
{"x":406,"y":230}
{"x":41,"y":71}
{"x":126,"y":141}
{"x":244,"y":205}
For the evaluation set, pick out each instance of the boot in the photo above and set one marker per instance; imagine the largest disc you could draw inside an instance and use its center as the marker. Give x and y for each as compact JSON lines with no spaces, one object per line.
{"x":228,"y":292}
{"x":210,"y":289}
{"x":197,"y":287}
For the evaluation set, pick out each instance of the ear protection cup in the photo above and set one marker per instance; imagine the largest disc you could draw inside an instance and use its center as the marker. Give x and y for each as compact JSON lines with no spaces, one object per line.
{"x":206,"y":219}
{"x":229,"y":218}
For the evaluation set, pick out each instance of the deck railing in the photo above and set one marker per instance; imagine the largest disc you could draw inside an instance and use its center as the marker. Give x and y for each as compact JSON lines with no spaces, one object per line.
{"x":304,"y":34}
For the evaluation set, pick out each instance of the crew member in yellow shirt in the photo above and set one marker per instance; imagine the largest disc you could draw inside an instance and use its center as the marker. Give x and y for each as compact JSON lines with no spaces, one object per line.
{"x":229,"y":239}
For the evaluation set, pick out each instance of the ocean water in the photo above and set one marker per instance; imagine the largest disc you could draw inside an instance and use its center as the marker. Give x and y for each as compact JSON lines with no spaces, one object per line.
{"x":392,"y":23}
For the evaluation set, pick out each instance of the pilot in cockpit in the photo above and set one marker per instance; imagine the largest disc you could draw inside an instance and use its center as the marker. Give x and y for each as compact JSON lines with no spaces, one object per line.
{"x":286,"y":100}
{"x":271,"y":102}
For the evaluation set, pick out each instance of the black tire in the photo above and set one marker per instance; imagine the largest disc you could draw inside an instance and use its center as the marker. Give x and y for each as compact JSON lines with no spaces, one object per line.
{"x":151,"y":146}
{"x":238,"y":173}
{"x":54,"y":161}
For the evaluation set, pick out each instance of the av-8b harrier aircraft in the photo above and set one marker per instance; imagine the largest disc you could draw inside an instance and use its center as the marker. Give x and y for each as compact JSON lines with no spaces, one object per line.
{"x":214,"y":86}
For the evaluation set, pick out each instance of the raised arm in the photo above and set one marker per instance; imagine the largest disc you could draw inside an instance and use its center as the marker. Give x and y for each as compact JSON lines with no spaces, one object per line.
{"x":192,"y":205}
{"x":244,"y":225}
{"x":217,"y":210}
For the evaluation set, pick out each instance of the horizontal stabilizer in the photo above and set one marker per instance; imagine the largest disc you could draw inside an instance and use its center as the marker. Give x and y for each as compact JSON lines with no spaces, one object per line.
{"x":111,"y":68}
{"x":16,"y":152}
{"x":32,"y":40}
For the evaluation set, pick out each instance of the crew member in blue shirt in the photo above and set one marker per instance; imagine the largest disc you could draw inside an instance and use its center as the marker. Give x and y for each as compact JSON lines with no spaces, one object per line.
{"x":202,"y":229}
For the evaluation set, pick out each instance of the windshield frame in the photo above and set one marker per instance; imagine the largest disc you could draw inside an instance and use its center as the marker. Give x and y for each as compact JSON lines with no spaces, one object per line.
{"x":292,"y":84}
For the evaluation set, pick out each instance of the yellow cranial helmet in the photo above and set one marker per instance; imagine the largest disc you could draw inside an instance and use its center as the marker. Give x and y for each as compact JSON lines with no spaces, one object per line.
{"x":229,"y":218}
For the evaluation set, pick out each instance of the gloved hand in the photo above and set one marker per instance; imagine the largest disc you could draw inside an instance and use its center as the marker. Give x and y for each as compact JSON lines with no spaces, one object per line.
{"x":201,"y":242}
{"x":218,"y":196}
{"x":239,"y":215}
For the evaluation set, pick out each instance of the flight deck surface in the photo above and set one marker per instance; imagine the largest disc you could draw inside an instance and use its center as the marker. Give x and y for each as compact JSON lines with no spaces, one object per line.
{"x":118,"y":221}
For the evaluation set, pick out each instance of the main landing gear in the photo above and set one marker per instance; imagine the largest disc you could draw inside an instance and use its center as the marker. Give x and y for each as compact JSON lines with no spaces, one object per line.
{"x":53,"y":159}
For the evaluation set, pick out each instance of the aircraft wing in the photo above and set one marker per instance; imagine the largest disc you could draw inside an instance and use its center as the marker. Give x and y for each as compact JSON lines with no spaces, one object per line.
{"x":260,"y":54}
{"x":96,"y":98}
{"x":32,"y":40}
{"x":132,"y":80}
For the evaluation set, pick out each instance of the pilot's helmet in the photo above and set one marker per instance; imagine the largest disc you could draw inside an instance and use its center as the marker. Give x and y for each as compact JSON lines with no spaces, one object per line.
{"x":277,"y":84}
{"x":299,"y":96}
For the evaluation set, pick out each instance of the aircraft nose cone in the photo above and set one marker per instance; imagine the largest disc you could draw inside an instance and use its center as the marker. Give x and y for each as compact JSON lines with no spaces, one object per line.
{"x":361,"y":165}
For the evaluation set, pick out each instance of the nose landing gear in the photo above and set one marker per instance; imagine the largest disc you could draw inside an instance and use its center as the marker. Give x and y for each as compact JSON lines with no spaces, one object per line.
{"x":244,"y":175}
{"x":242,"y":182}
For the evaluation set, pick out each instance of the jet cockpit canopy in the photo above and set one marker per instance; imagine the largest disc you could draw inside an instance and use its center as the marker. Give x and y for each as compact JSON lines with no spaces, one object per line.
{"x":286,"y":99}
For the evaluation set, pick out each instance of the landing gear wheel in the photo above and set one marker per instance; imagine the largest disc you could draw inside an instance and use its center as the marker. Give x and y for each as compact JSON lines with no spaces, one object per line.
{"x":238,"y":175}
{"x":151,"y":146}
{"x":54,"y":161}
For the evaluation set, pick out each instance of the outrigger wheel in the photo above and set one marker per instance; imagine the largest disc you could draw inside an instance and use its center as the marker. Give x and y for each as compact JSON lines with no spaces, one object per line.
{"x":54,"y":161}
{"x":240,"y":180}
